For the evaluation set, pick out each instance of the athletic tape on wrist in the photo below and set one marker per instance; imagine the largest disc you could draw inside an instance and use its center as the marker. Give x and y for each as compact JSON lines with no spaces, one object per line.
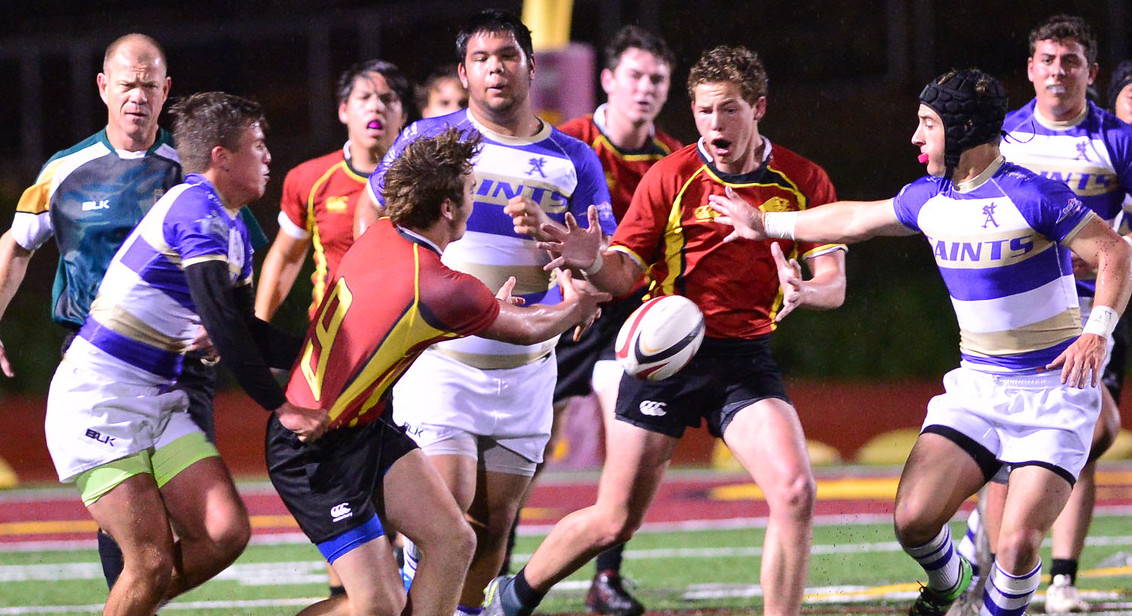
{"x":596,"y":267}
{"x":1102,"y":320}
{"x":780,"y":224}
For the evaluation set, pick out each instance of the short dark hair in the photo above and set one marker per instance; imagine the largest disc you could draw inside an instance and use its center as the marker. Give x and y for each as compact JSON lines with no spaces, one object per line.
{"x":1064,"y":26}
{"x":439,"y":74}
{"x":1121,"y":77}
{"x":494,"y":21}
{"x":737,"y":65}
{"x":428,"y":171}
{"x":632,"y":37}
{"x":393,"y":76}
{"x":209,"y":119}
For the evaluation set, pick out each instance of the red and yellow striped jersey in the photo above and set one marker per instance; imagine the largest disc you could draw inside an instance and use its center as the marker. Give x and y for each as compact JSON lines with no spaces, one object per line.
{"x":670,"y":230}
{"x":623,"y":168}
{"x":319,"y":198}
{"x":391,"y":299}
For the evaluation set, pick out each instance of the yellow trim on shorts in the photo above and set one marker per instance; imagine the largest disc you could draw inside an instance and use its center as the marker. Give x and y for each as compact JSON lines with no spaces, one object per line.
{"x":175,"y":457}
{"x":93,"y":484}
{"x":163,"y":465}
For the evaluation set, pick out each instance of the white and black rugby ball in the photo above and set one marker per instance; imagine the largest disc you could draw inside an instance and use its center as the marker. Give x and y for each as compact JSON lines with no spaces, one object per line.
{"x":660,"y":337}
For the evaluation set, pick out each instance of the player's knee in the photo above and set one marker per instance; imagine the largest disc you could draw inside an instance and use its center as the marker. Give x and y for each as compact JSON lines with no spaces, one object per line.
{"x":794,"y":497}
{"x":1018,"y":549}
{"x":151,"y":569}
{"x":232,"y":536}
{"x":617,"y":526}
{"x":912,"y":526}
{"x":461,"y":542}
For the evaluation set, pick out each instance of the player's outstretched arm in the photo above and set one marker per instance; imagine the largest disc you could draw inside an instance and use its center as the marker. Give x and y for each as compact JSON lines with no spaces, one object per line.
{"x":280,"y":268}
{"x":529,"y":325}
{"x":1100,"y":247}
{"x":843,"y":221}
{"x":13,"y":267}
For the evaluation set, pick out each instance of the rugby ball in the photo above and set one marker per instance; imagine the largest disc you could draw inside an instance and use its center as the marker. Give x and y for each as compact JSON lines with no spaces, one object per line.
{"x":660,"y":337}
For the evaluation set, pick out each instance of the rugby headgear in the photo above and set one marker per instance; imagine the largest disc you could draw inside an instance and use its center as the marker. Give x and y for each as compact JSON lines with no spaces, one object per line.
{"x":972,"y":106}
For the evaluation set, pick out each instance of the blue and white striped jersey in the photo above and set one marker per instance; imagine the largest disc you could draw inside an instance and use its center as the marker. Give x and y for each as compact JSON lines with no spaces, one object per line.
{"x":558,"y":172}
{"x":1091,"y":154}
{"x":144,"y":313}
{"x":999,"y":241}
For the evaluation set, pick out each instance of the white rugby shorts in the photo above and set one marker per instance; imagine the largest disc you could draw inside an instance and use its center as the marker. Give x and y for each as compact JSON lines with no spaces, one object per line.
{"x":101,"y":409}
{"x":514,"y":406}
{"x":1020,"y":419}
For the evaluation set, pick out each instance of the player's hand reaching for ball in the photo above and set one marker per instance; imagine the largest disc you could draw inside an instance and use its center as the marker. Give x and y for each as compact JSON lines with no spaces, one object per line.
{"x":308,"y":424}
{"x":587,"y":296}
{"x":790,"y":279}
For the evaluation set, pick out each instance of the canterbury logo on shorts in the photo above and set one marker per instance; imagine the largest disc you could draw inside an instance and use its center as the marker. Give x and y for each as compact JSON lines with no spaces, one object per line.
{"x":340,"y":512}
{"x":653,"y":408}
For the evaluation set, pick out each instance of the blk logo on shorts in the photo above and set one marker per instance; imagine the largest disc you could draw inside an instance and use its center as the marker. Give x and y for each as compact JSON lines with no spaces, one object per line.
{"x":340,"y":512}
{"x":105,"y":439}
{"x":653,"y":408}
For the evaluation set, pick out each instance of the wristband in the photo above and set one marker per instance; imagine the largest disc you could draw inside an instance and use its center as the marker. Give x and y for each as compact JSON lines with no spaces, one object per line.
{"x":780,"y":224}
{"x":596,"y":267}
{"x":1102,"y":320}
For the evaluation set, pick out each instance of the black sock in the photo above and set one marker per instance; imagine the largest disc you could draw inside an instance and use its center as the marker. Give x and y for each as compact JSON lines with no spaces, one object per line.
{"x":337,"y":590}
{"x":1064,"y":566}
{"x":111,"y":556}
{"x":610,"y":560}
{"x":518,"y":598}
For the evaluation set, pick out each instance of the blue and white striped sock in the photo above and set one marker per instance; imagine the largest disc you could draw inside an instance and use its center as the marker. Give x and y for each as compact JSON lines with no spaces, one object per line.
{"x":968,"y":546}
{"x":463,"y":610}
{"x":1009,"y":595}
{"x":939,"y":560}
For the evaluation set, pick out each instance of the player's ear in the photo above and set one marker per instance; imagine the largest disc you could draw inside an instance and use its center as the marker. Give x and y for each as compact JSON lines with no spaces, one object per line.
{"x":448,"y":209}
{"x":219,"y":157}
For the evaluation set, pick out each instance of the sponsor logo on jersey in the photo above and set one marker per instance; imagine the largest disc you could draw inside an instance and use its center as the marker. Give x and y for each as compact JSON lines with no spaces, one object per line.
{"x":336,"y":205}
{"x":101,"y":204}
{"x":653,"y":408}
{"x":340,"y":512}
{"x":105,"y":439}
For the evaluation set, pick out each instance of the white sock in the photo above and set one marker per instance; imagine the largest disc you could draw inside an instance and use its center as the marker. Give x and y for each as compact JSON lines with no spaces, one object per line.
{"x":1008,"y":594}
{"x":939,"y":560}
{"x":968,"y":548}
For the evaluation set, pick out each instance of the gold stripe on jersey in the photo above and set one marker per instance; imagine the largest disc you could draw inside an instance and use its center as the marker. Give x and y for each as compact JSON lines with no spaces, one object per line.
{"x":318,"y":252}
{"x":120,"y":321}
{"x":528,"y":278}
{"x":674,"y":239}
{"x":603,"y":141}
{"x":35,"y":198}
{"x":1040,"y":335}
{"x":497,"y":362}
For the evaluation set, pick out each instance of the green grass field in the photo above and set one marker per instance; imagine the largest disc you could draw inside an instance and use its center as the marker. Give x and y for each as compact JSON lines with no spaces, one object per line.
{"x":856,"y":568}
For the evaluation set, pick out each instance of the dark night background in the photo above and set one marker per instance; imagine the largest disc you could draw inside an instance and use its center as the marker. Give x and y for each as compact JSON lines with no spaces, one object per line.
{"x":843,"y":83}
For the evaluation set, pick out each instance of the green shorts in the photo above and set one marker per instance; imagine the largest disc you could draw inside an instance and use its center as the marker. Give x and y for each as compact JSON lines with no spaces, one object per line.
{"x":163,"y":464}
